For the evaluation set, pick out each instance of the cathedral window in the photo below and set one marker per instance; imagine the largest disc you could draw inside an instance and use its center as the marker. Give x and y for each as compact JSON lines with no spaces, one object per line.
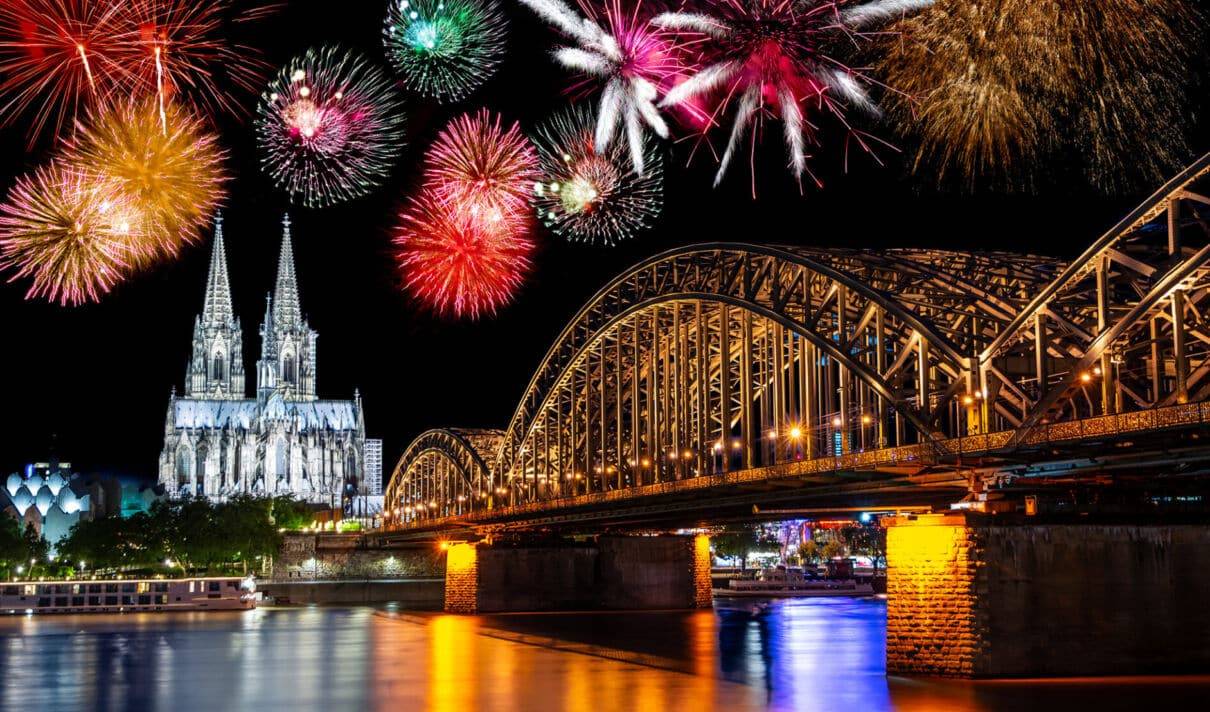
{"x":218,"y":367}
{"x":184,"y":466}
{"x":202,"y":453}
{"x":282,"y":459}
{"x":288,"y":368}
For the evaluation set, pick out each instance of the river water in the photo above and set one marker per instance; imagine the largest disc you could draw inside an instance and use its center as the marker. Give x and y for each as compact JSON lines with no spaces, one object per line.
{"x":813,"y":654}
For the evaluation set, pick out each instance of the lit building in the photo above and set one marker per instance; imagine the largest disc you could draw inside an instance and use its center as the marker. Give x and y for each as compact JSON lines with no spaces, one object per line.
{"x":52,"y":498}
{"x":373,"y":468}
{"x":285,"y":440}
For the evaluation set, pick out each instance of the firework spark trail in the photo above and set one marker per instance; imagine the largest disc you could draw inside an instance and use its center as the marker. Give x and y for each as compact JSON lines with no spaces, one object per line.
{"x":592,"y":196}
{"x":330,"y":127}
{"x":444,"y":49}
{"x":632,"y":59}
{"x":989,"y":100}
{"x":456,"y":262}
{"x":482,"y":167}
{"x":774,"y":58}
{"x":73,"y":238}
{"x":167,"y":165}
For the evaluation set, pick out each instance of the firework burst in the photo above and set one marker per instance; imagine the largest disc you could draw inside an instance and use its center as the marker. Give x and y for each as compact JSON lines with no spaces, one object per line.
{"x":163,"y":161}
{"x":483,"y":168}
{"x":444,"y":49}
{"x":997,"y":86}
{"x":630,"y":58}
{"x":588,"y":195}
{"x":776,"y":58}
{"x":70,"y":235}
{"x":330,"y":126}
{"x":455,"y":261}
{"x":58,"y":57}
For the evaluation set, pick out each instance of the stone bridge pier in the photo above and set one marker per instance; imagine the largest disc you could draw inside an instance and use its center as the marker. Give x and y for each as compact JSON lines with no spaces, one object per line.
{"x":972,"y":596}
{"x":612,"y":572}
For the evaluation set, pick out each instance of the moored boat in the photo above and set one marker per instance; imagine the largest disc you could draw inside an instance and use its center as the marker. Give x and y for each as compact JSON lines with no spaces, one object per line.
{"x":220,"y":593}
{"x":782,"y":582}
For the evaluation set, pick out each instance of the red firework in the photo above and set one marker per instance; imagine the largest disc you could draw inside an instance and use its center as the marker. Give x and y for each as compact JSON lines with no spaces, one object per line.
{"x":483,"y":169}
{"x":59,"y":57}
{"x":458,"y":263}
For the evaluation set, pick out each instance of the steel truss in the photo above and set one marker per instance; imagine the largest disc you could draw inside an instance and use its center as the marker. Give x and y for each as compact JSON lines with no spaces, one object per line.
{"x":721,"y":357}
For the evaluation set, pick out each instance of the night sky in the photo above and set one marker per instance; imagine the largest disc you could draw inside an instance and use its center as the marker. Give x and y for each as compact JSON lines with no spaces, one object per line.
{"x":95,"y":380}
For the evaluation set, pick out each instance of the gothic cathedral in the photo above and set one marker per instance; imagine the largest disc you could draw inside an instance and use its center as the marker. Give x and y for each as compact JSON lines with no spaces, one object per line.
{"x":218,"y":442}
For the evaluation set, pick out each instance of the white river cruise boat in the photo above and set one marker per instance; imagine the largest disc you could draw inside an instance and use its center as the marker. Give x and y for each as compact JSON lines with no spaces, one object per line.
{"x":781,"y":582}
{"x":226,"y":593}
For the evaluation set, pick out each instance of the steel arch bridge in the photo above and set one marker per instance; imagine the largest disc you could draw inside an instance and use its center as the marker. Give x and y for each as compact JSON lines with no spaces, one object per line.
{"x":717,"y":364}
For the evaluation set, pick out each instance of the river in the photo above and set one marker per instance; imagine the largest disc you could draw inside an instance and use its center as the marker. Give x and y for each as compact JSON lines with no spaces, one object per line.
{"x":813,"y":654}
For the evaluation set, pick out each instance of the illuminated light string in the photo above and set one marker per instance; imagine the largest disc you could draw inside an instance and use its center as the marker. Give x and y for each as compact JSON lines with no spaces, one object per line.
{"x":591,"y":196}
{"x":329,"y":127}
{"x":444,"y":49}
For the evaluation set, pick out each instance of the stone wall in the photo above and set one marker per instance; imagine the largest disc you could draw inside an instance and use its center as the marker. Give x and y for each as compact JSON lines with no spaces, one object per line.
{"x":933,"y":624}
{"x":318,"y":557}
{"x":617,"y":572}
{"x":972,"y":597}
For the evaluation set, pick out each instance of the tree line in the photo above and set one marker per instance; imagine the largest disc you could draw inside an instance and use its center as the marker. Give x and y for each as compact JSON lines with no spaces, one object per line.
{"x":181,"y":536}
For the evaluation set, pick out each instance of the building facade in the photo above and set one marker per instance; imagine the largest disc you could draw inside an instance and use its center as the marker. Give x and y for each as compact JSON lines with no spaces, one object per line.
{"x":372,"y":484}
{"x":286,"y":440}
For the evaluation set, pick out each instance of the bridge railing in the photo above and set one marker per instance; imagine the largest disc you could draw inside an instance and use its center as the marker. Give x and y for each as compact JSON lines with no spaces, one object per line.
{"x":1157,"y":419}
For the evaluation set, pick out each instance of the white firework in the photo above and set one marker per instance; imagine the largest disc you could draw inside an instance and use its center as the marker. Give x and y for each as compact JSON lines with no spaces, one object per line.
{"x":628,"y":57}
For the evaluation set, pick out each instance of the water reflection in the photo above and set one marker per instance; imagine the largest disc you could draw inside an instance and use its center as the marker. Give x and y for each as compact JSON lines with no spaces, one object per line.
{"x":821,"y":654}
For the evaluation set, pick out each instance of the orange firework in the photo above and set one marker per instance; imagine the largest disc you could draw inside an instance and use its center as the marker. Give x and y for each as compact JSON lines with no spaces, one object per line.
{"x":163,"y":161}
{"x":74,"y":238}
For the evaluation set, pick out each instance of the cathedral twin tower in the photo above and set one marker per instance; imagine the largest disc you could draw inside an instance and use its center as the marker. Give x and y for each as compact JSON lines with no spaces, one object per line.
{"x":218,"y":442}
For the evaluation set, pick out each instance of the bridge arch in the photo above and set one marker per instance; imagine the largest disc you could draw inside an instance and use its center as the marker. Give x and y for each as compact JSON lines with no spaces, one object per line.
{"x":442,"y":472}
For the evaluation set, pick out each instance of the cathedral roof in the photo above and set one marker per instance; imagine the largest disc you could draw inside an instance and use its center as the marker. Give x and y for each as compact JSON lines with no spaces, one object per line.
{"x":248,"y":414}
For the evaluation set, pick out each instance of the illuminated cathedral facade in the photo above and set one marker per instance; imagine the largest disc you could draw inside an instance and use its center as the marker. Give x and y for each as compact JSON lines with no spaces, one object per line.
{"x":286,"y":440}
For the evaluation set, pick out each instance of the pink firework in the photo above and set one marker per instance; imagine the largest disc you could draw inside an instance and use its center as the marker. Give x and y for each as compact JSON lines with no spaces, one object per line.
{"x":72,"y":236}
{"x":779,"y":59}
{"x":483,"y":169}
{"x":456,"y":262}
{"x":631,"y":60}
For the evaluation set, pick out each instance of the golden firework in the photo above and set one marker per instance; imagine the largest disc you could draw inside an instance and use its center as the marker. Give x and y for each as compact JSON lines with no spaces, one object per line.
{"x":73,"y":237}
{"x":165,"y":162}
{"x":991,"y":87}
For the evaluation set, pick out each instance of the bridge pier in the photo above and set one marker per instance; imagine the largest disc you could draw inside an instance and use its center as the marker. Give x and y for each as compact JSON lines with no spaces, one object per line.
{"x":972,"y":596}
{"x":614,"y":572}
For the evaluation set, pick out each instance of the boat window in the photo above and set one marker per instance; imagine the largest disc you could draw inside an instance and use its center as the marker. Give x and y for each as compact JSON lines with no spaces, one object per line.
{"x":233,"y":584}
{"x":10,"y":590}
{"x":144,"y":600}
{"x":77,"y":600}
{"x":128,"y":588}
{"x":162,"y":598}
{"x":144,"y":586}
{"x":61,"y":601}
{"x":215,"y":585}
{"x":191,"y":587}
{"x":214,"y":595}
{"x":127,"y":600}
{"x":43,"y":590}
{"x":43,"y":602}
{"x":111,"y":588}
{"x":94,"y":588}
{"x":94,"y":600}
{"x":111,"y":600}
{"x":29,"y":590}
{"x":161,"y":588}
{"x":61,"y":588}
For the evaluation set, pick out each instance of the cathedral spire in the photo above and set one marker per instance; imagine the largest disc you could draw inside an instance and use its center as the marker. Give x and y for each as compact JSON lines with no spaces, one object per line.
{"x":217,"y":307}
{"x":286,"y":309}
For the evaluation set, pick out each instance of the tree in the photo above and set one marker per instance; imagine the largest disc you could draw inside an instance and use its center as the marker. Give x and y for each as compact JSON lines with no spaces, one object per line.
{"x":868,"y":541}
{"x":832,"y":549}
{"x":12,"y":544}
{"x":808,"y":552}
{"x":736,"y":543}
{"x":36,"y":547}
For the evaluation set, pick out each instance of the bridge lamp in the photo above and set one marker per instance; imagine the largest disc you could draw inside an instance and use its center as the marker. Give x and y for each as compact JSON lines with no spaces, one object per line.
{"x":1085,"y":377}
{"x":687,"y":454}
{"x":968,"y":400}
{"x":795,"y":432}
{"x":672,"y":454}
{"x":1096,"y":370}
{"x":433,"y":503}
{"x":718,"y":447}
{"x":646,"y":462}
{"x":837,"y":422}
{"x":772,"y":434}
{"x":866,"y":419}
{"x":737,"y":444}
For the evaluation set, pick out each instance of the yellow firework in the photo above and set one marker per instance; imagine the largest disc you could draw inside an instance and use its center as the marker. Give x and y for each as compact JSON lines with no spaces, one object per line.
{"x":164,"y":161}
{"x":992,"y":86}
{"x":72,"y":237}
